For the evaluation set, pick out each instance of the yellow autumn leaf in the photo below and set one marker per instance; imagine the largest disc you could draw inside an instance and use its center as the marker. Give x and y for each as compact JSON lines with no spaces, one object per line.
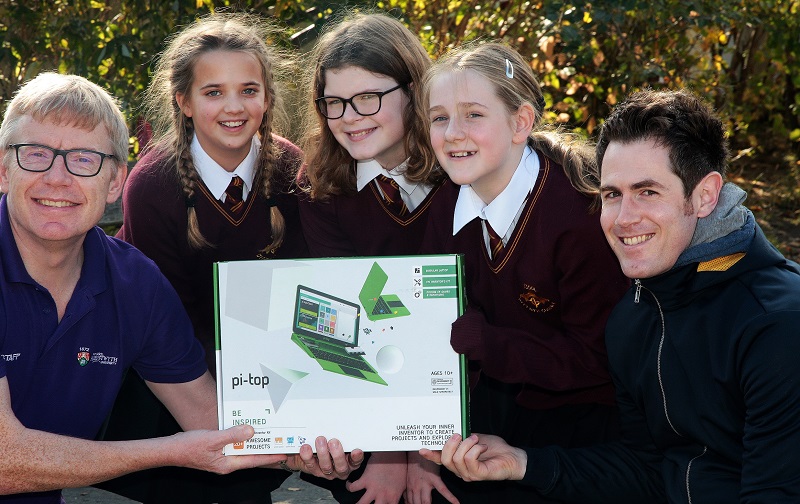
{"x":573,"y":88}
{"x":598,"y":58}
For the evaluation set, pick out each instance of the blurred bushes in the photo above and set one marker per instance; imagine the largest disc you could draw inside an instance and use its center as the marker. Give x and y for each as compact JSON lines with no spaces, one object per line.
{"x":741,"y":54}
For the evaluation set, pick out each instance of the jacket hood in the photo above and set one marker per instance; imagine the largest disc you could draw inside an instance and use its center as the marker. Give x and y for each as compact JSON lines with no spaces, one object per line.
{"x":727,"y":217}
{"x":728,"y":242}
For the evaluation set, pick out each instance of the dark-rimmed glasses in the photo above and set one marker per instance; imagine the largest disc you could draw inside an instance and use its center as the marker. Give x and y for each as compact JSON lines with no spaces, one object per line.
{"x":40,"y":158}
{"x":364,"y":104}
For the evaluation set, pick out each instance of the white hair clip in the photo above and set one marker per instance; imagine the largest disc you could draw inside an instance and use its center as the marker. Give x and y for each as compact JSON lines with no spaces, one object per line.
{"x":509,"y":69}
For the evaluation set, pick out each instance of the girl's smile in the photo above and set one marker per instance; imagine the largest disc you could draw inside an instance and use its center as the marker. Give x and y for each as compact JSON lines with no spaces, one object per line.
{"x":227,"y":103}
{"x":380,"y":136}
{"x":476,"y":140}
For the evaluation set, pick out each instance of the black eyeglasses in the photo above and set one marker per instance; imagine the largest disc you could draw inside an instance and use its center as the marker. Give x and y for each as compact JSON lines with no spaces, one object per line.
{"x":40,"y":158}
{"x":364,"y":104}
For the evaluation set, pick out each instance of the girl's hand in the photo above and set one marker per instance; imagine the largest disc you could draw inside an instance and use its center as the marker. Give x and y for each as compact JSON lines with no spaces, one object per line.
{"x":423,"y":477}
{"x":384,"y":479}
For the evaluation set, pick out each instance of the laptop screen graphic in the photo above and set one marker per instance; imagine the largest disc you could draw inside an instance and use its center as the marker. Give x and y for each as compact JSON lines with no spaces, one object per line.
{"x":326,"y":316}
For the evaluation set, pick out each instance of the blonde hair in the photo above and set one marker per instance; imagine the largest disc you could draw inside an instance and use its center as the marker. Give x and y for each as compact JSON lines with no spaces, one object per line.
{"x":174,"y":74}
{"x":379,"y":44}
{"x":515,"y":84}
{"x":67,"y":100}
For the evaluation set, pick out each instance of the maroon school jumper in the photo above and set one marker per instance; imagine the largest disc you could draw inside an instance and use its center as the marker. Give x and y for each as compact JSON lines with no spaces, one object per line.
{"x":154,"y":220}
{"x":362,"y":225}
{"x":536,"y":317}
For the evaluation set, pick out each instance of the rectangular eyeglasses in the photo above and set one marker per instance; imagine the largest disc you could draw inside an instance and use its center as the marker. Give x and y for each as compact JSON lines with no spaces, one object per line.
{"x":364,"y":104}
{"x":40,"y":158}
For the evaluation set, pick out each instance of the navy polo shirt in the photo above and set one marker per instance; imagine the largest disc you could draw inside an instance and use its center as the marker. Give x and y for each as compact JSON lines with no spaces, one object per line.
{"x":64,"y":377}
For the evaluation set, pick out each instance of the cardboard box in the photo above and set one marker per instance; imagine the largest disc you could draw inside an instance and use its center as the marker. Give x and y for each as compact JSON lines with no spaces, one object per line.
{"x":282,"y":324}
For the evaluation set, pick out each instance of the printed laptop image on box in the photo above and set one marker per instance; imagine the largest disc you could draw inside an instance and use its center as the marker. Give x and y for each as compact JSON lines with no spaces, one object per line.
{"x":326,"y":328}
{"x":378,"y":306}
{"x":298,"y":357}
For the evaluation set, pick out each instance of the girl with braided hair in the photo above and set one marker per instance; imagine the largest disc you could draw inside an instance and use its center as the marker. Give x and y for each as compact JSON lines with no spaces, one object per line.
{"x":211,"y":105}
{"x":215,"y":184}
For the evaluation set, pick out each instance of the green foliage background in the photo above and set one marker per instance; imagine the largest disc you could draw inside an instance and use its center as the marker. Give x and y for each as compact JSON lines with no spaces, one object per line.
{"x":741,"y":54}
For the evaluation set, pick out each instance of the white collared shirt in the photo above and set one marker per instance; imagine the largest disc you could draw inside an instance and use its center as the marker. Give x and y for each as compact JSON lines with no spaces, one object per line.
{"x":504,"y":211}
{"x":411,"y":193}
{"x":217,"y":178}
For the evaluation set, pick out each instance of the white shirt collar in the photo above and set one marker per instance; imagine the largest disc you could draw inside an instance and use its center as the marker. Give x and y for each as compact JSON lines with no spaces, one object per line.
{"x":216,"y":178}
{"x":503,"y":210}
{"x":366,"y":171}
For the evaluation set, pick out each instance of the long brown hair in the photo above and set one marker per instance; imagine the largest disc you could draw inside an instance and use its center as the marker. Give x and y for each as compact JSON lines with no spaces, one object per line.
{"x":174,"y":74}
{"x":379,"y":44}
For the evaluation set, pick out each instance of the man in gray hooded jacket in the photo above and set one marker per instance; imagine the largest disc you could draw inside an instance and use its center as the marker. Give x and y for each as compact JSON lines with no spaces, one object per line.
{"x":702,"y":348}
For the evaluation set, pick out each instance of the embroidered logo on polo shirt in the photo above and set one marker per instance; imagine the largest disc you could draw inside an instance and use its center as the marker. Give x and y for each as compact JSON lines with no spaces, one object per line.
{"x":99,"y":358}
{"x":534,"y":302}
{"x":85,"y":357}
{"x":10,"y":357}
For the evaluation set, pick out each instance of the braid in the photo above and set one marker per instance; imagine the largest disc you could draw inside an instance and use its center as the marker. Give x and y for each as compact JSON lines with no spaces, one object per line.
{"x":188,"y":177}
{"x":173,"y":79}
{"x":266,"y":162}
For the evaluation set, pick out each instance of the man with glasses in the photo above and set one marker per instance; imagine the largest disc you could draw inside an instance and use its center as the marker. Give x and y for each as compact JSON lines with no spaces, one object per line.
{"x":78,"y":308}
{"x":40,"y":158}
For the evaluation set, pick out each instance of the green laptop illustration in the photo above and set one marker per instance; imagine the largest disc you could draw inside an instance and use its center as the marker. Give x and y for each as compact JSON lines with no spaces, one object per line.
{"x":326,"y":328}
{"x":378,"y":306}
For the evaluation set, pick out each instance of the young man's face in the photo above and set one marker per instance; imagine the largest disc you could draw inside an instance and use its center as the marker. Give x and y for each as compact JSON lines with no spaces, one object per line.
{"x":56,"y":206}
{"x":646,"y":218}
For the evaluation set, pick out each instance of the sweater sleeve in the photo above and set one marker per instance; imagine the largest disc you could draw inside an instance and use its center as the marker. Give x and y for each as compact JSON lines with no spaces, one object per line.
{"x":154,"y":221}
{"x":769,"y":378}
{"x":566,"y":356}
{"x":626,"y":471}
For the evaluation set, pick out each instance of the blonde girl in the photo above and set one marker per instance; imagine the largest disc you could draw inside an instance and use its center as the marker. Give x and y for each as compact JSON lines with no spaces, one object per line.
{"x":540,"y":277}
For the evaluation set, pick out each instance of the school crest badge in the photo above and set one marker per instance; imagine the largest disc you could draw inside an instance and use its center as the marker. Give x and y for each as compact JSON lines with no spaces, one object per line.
{"x":533,"y":301}
{"x":83,"y":358}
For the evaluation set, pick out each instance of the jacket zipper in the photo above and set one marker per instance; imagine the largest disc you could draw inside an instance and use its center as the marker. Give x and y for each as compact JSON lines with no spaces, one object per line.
{"x":689,"y":469}
{"x":636,"y":299}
